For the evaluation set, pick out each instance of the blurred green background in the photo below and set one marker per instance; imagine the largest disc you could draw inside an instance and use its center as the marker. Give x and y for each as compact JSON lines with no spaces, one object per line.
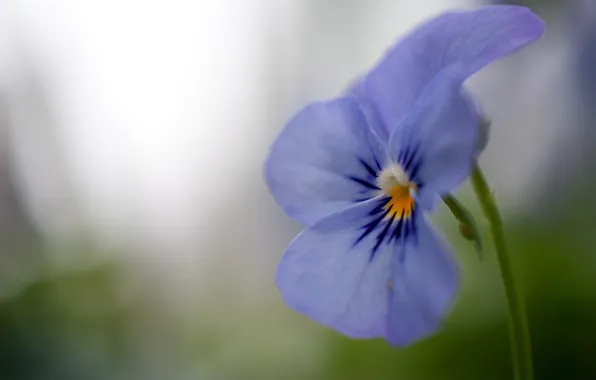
{"x":138,"y":240}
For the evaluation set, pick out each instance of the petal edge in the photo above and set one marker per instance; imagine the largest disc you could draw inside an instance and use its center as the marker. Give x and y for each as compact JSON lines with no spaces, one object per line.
{"x":472,"y":38}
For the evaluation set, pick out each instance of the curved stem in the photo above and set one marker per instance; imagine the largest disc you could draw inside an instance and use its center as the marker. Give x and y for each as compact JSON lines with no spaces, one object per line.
{"x":518,"y":323}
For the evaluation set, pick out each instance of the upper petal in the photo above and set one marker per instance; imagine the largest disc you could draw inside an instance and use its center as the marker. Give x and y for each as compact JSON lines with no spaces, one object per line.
{"x":437,"y":140}
{"x":325,"y":159}
{"x":337,"y":271}
{"x":471,"y":38}
{"x":425,"y":280}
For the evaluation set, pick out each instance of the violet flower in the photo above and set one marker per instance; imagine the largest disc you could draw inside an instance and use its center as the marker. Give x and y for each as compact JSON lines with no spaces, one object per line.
{"x":362,"y":170}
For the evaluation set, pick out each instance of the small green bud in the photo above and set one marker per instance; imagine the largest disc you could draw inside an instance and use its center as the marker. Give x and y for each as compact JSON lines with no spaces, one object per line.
{"x":466,"y":232}
{"x":467,"y":225}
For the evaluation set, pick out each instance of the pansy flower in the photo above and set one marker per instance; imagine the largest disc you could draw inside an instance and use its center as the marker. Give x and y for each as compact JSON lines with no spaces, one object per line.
{"x":362,"y":170}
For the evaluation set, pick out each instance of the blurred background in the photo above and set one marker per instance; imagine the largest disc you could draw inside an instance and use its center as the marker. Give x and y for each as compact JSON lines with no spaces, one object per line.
{"x":138,"y":239}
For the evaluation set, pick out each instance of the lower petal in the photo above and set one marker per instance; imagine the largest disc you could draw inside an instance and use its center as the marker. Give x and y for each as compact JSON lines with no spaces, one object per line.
{"x":337,"y":276}
{"x":424,"y":280}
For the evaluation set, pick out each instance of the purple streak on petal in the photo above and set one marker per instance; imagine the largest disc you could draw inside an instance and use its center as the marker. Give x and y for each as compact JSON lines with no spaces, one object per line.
{"x":472,"y":39}
{"x":424,"y":283}
{"x":323,"y":161}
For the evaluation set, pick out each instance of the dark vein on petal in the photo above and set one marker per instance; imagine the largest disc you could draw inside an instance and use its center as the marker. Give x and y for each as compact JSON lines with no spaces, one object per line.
{"x":364,"y":183}
{"x":413,"y":229}
{"x":369,"y":227}
{"x":369,"y":169}
{"x":415,"y":169}
{"x":397,"y":231}
{"x":412,"y":236}
{"x":410,"y":159}
{"x":378,"y":164}
{"x":403,"y":154}
{"x":381,"y":236}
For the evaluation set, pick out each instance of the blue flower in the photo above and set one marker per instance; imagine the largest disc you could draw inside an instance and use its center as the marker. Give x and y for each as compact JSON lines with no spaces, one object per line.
{"x":362,"y":170}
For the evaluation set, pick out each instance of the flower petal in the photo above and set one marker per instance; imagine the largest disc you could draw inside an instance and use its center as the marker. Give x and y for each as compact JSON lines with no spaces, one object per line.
{"x":337,"y":273}
{"x":436,"y":142}
{"x":471,"y":38}
{"x":424,"y":281}
{"x":325,"y":159}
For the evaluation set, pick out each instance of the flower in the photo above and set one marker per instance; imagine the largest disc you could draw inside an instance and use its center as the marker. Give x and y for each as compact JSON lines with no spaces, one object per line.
{"x":362,"y":170}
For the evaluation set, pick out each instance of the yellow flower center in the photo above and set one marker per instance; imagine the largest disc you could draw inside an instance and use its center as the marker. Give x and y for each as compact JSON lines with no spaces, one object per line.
{"x":394,"y":182}
{"x":401,"y":202}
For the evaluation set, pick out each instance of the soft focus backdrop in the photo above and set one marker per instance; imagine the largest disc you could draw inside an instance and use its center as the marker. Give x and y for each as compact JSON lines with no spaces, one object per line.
{"x":138,"y":239}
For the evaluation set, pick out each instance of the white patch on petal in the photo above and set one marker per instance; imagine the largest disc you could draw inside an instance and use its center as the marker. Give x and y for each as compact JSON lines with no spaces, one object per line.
{"x":392,"y":176}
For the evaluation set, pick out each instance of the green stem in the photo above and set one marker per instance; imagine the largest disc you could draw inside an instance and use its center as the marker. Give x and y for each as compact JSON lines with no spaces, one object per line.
{"x":518,"y":323}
